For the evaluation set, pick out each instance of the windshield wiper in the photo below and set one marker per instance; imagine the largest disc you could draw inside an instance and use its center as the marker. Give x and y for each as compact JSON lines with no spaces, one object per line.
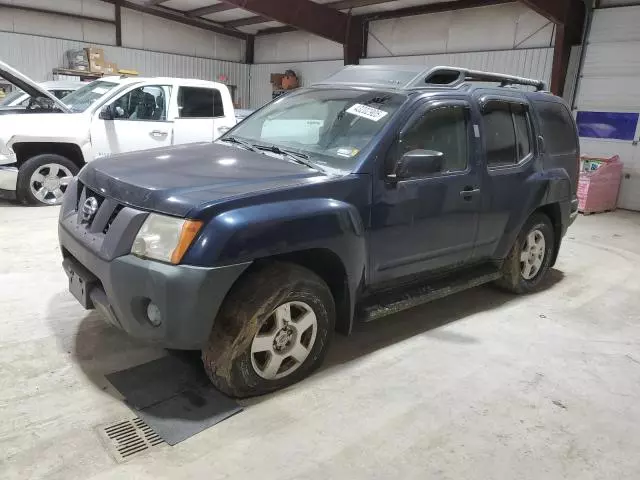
{"x":243,"y":143}
{"x":301,"y":158}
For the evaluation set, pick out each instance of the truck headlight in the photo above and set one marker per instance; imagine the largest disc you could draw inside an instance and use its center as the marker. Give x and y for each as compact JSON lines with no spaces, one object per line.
{"x":165,"y":238}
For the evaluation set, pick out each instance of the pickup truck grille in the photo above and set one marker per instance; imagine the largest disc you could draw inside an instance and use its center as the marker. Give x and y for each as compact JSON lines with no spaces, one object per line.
{"x":99,"y":222}
{"x":95,"y":211}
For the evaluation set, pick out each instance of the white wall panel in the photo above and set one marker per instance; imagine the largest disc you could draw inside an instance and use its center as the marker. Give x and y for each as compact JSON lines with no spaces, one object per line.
{"x":609,"y":83}
{"x":615,"y":25}
{"x":147,"y":32}
{"x":499,"y":27}
{"x":20,"y":21}
{"x":139,"y":30}
{"x":308,"y":73}
{"x":295,"y":47}
{"x":534,"y":62}
{"x":37,"y":56}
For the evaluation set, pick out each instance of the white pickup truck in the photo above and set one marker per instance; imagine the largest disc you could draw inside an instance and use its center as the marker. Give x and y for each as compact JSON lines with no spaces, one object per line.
{"x":43,"y":147}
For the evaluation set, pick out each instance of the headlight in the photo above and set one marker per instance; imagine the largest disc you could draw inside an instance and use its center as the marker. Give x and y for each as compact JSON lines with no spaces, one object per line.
{"x":165,"y":238}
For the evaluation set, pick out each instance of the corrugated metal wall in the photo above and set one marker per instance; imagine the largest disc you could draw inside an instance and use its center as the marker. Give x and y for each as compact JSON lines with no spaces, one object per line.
{"x":308,"y":72}
{"x":609,"y":82}
{"x":37,"y":56}
{"x":533,"y":62}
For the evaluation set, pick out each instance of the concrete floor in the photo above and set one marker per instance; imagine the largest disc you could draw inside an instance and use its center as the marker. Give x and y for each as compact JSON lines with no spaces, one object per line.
{"x":482,"y":385}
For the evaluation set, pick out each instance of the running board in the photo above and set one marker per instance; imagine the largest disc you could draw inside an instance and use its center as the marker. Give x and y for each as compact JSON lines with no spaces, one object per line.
{"x":388,"y":302}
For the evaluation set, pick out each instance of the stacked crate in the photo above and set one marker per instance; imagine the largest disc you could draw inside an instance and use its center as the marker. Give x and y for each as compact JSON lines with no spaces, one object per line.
{"x":599,"y":184}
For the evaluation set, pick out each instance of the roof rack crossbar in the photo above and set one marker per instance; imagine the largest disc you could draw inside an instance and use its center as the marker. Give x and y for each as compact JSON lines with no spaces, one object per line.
{"x":454,"y":77}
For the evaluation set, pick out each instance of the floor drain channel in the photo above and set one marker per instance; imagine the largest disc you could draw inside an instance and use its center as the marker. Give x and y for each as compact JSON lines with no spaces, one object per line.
{"x":129,"y":438}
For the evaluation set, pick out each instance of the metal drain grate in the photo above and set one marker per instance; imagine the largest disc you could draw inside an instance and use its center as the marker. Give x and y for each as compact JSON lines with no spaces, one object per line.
{"x":129,"y":438}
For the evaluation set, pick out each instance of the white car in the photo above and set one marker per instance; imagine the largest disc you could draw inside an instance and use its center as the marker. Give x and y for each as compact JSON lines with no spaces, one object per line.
{"x":43,"y":148}
{"x":19,"y":100}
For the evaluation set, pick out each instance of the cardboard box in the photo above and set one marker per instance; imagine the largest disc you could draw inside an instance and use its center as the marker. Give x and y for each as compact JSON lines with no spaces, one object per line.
{"x":110,"y":68}
{"x":276,"y":80}
{"x":96,"y":59}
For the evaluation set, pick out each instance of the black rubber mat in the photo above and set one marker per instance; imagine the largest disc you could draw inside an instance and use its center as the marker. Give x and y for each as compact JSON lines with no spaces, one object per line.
{"x":173,"y":396}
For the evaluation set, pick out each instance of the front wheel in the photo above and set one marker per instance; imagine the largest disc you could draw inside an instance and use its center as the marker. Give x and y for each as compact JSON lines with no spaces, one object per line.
{"x":43,"y":179}
{"x":273,"y":330}
{"x":530,"y":257}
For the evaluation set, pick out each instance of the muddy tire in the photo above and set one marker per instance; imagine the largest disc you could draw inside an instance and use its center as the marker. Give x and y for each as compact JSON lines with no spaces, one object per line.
{"x":43,"y":179}
{"x":272,"y":331}
{"x":530,"y":257}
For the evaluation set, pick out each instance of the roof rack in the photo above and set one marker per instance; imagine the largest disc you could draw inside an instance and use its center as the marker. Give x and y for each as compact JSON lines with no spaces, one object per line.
{"x":453,"y":77}
{"x":416,"y":76}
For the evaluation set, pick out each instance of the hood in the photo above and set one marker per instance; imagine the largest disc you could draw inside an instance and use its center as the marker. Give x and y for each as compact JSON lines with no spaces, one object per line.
{"x":29,"y":86}
{"x":43,"y":127}
{"x":174,"y":180}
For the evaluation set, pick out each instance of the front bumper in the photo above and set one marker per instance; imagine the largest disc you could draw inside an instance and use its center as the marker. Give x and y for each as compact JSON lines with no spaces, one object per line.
{"x":8,"y":181}
{"x":120,"y":289}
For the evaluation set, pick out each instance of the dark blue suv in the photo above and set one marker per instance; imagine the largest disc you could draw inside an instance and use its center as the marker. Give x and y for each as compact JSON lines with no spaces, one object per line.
{"x":377,"y":190}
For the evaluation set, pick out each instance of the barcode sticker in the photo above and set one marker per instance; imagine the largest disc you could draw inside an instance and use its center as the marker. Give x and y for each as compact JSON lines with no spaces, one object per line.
{"x":365,"y":111}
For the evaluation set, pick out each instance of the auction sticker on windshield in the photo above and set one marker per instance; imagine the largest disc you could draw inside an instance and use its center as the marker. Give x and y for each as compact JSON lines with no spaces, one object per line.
{"x":365,"y":111}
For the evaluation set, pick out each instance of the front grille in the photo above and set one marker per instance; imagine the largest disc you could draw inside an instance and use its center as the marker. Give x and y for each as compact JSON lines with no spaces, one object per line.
{"x":99,"y":217}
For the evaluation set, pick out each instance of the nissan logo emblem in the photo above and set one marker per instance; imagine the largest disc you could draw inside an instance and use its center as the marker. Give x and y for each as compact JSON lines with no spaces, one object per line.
{"x":89,"y":208}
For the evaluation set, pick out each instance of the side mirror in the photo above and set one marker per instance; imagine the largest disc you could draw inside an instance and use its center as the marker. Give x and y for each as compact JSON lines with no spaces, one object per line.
{"x":419,"y":163}
{"x":106,"y":113}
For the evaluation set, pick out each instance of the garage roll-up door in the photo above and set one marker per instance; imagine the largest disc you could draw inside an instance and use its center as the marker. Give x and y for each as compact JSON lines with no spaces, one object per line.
{"x":608,"y":100}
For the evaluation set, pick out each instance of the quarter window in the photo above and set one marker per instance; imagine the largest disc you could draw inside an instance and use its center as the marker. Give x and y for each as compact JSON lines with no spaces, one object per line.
{"x":557,"y":128}
{"x":197,"y":102}
{"x":443,"y":130}
{"x":507,"y":133}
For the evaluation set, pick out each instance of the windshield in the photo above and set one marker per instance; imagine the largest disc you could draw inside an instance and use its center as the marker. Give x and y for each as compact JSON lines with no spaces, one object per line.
{"x":84,"y":97}
{"x":11,"y":97}
{"x":330,"y":126}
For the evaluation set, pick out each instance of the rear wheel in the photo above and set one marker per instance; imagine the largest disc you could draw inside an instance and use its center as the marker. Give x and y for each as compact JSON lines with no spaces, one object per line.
{"x":272,"y":331}
{"x":530,"y":257}
{"x":43,"y":179}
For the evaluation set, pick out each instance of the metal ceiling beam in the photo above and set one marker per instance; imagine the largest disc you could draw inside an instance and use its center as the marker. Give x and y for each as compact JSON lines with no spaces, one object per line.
{"x":179,"y":17}
{"x":58,"y":13}
{"x":274,"y":30}
{"x":243,"y":22}
{"x":217,"y":8}
{"x":339,"y":5}
{"x":153,"y":3}
{"x":433,"y":8}
{"x":305,"y":15}
{"x":555,"y":10}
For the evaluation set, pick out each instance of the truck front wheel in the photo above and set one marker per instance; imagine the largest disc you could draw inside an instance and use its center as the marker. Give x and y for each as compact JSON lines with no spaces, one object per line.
{"x":273,"y":330}
{"x":530,"y":257}
{"x":43,"y":179}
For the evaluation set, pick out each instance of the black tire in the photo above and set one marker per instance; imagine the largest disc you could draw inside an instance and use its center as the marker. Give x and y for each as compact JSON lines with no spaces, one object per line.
{"x":512,"y":277}
{"x":28,"y":168}
{"x":227,"y":357}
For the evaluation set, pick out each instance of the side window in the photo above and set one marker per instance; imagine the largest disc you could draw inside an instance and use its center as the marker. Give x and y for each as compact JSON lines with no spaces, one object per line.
{"x":443,"y":130}
{"x":523,"y":130}
{"x":198,"y":102}
{"x":557,"y":128}
{"x":144,"y":103}
{"x":61,"y":93}
{"x":507,"y":133}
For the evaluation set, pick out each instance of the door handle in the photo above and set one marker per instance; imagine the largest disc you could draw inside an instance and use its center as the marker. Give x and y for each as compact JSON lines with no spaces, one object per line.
{"x":158,"y":133}
{"x":469,"y":192}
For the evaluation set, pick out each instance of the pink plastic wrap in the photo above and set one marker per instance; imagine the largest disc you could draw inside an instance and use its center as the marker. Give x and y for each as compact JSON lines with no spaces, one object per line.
{"x":598,"y":189}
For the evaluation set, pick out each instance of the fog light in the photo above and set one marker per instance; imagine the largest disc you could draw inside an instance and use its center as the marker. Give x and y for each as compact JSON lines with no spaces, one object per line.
{"x":153,"y":314}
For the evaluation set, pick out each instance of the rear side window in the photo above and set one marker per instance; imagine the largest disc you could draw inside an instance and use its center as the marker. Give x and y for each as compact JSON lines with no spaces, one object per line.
{"x":197,"y":102}
{"x":507,"y":132}
{"x":557,"y":128}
